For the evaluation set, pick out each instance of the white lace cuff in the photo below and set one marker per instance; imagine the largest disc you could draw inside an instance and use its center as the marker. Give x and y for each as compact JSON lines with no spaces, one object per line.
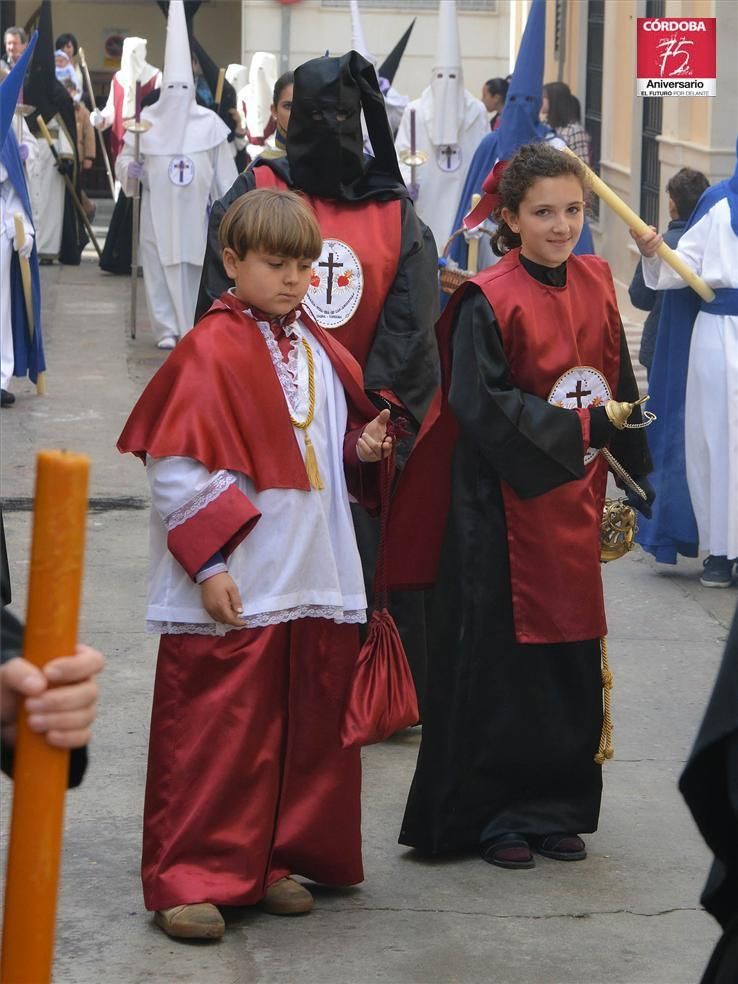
{"x":221,"y":481}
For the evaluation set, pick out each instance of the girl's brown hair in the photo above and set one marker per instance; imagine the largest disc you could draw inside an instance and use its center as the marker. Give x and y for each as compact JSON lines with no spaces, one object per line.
{"x":278,"y":222}
{"x":531,"y":162}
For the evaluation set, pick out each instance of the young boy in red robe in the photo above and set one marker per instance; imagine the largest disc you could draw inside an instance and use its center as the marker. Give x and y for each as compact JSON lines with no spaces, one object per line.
{"x":253,"y":431}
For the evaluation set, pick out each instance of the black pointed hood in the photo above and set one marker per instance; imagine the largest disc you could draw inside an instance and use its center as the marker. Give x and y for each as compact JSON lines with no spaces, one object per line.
{"x":388,"y":68}
{"x":325,"y":141}
{"x":42,"y":89}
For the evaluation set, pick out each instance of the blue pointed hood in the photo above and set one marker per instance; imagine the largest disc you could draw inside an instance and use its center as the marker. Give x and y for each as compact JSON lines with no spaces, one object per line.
{"x":11,"y":87}
{"x":523,"y":103}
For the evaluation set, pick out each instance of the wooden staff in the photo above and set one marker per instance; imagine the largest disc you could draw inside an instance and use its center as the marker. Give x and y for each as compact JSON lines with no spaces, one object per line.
{"x":136,"y":126}
{"x":68,"y":181}
{"x":636,"y":223}
{"x":40,"y":770}
{"x":219,"y":89}
{"x":103,"y":149}
{"x":473,"y":252}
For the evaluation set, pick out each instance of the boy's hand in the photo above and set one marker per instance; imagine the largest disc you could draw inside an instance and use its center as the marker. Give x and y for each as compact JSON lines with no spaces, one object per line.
{"x":221,"y":600}
{"x":374,"y":443}
{"x":62,"y":713}
{"x":647,"y":242}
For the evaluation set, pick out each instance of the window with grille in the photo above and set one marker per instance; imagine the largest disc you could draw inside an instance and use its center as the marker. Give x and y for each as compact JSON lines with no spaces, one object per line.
{"x":651,"y":130}
{"x":593,"y":100}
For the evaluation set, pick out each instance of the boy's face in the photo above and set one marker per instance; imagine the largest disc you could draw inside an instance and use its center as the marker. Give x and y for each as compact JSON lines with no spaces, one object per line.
{"x":275,"y":284}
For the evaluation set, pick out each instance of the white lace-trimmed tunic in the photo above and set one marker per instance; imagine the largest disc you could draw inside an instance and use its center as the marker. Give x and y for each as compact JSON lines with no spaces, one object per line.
{"x":300,"y":559}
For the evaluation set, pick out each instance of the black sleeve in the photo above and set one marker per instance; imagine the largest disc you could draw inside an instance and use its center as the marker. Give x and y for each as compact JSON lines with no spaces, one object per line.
{"x":630,"y":447}
{"x":404,"y":356}
{"x":532,"y":445}
{"x":214,"y":280}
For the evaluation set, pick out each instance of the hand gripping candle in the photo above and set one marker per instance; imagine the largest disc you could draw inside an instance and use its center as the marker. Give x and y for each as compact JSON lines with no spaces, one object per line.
{"x":40,"y":771}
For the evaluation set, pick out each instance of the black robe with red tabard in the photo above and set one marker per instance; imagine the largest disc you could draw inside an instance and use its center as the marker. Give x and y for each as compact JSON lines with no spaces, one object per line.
{"x":513,"y":706}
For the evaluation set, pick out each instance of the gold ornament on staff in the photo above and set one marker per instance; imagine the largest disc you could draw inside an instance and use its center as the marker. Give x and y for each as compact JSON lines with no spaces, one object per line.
{"x":413,"y":158}
{"x":103,"y":150}
{"x":636,"y":223}
{"x":70,"y":186}
{"x":22,"y":110}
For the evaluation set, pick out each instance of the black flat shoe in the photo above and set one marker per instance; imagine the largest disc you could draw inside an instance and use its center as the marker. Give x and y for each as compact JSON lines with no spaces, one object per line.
{"x":560,"y":847}
{"x":508,"y":851}
{"x":7,"y":398}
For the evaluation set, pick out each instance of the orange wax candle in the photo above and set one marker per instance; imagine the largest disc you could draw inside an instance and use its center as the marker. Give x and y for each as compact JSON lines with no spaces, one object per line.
{"x":40,"y":771}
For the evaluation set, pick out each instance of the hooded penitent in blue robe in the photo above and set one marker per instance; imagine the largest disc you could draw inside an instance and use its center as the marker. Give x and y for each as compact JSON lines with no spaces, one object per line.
{"x":520,"y":125}
{"x":672,"y":529}
{"x":27,"y":350}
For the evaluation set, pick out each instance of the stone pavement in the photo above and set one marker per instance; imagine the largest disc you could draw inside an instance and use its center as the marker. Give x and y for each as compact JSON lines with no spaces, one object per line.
{"x":630,"y":914}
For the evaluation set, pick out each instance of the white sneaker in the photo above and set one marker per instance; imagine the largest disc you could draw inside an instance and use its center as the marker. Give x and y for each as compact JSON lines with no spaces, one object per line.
{"x":168,"y":342}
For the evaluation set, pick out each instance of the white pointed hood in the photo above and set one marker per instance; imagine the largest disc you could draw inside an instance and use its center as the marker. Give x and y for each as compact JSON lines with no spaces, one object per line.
{"x":133,"y":68}
{"x":237,"y":75}
{"x":447,"y":80}
{"x":259,"y":92}
{"x":179,"y":125}
{"x":358,"y":41}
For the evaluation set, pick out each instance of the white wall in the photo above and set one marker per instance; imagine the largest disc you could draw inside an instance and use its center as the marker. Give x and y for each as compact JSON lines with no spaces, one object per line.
{"x":485,"y":38}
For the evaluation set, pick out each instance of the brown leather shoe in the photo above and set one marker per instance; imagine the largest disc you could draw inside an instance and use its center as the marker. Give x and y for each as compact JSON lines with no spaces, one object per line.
{"x":287,"y":898}
{"x":199,"y":921}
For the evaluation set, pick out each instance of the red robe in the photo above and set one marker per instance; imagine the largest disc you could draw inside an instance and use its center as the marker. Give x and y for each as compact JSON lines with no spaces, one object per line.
{"x":247,"y":781}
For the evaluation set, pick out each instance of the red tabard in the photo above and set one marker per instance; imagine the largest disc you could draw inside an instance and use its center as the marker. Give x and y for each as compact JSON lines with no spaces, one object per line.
{"x":373,"y":231}
{"x":554,"y":539}
{"x":117,"y":130}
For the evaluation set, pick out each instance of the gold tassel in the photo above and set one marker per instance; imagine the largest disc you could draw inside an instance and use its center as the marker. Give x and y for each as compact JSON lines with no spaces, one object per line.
{"x":605,"y":751}
{"x":311,"y":465}
{"x":41,"y":384}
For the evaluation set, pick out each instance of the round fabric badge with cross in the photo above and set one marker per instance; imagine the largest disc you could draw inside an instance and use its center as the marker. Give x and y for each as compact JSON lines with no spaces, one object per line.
{"x":448,"y":157}
{"x":181,"y":171}
{"x":580,"y":387}
{"x":336,"y":285}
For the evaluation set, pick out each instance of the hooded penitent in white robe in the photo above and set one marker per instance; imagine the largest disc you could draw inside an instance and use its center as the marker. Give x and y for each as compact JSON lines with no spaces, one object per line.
{"x":710,"y":248}
{"x":187,"y":165}
{"x":258,"y":99}
{"x":449,"y":124}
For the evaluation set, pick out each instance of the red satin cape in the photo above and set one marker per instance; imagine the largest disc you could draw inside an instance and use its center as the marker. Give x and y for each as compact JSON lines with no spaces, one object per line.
{"x":217,"y":399}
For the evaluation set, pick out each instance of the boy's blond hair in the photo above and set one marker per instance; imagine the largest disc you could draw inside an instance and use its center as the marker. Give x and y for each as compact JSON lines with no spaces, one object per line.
{"x":278,"y":222}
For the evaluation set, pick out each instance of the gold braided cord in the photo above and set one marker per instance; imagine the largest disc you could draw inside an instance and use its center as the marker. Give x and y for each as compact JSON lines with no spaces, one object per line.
{"x":303,"y":425}
{"x":605,"y":751}
{"x":311,"y":460}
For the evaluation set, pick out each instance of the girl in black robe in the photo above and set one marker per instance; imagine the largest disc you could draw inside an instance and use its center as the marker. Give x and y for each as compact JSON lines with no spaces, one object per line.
{"x":511,"y":728}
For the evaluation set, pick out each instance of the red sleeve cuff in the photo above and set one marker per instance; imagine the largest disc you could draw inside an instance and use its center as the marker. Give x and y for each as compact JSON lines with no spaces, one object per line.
{"x":221,"y":525}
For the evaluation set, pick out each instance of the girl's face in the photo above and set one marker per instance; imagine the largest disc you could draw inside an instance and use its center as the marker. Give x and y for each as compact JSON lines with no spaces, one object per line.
{"x":68,"y":49}
{"x":281,"y":112}
{"x":549,"y":220}
{"x":544,"y":107}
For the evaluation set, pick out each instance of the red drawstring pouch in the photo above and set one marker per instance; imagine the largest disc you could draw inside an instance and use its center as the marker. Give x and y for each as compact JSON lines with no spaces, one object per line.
{"x":381,"y":699}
